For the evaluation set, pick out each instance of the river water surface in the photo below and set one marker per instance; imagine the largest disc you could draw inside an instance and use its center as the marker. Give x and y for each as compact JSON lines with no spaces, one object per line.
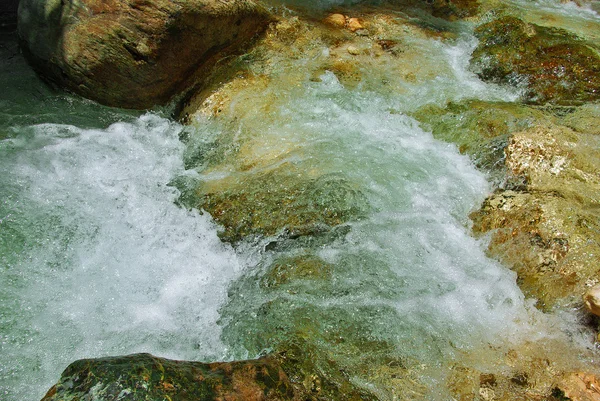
{"x":97,"y":259}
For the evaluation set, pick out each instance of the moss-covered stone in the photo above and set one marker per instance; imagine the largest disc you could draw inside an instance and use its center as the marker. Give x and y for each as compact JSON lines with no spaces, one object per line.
{"x":145,"y":377}
{"x":551,"y":64}
{"x":301,"y":267}
{"x":454,"y":9}
{"x":480,"y":129}
{"x":280,"y":202}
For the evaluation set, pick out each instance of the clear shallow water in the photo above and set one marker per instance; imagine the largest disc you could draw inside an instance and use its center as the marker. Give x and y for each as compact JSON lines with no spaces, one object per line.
{"x":407,"y":279}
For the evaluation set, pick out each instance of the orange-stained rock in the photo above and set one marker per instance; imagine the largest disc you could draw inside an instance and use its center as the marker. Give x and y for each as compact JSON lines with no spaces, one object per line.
{"x":337,"y":20}
{"x":354,"y":24}
{"x":580,"y":386}
{"x":592,"y":299}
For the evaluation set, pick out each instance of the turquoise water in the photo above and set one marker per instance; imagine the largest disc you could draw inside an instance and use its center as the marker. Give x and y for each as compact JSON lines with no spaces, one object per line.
{"x":96,"y":258}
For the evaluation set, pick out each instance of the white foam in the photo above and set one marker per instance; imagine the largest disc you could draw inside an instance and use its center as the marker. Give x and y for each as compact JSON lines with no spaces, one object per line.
{"x":118,"y":267}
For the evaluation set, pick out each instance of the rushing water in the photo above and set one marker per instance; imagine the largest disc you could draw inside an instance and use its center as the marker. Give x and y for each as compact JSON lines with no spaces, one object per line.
{"x":97,"y":259}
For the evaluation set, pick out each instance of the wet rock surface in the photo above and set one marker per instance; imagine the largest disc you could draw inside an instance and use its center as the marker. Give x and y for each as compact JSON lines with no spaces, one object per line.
{"x":480,"y":129}
{"x":544,"y":223}
{"x":543,"y":217}
{"x":281,"y":203}
{"x":134,"y":54}
{"x":550,"y":64}
{"x":146,"y":377}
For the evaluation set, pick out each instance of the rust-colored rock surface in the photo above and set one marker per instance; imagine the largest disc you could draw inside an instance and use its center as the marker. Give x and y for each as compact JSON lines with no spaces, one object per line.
{"x":134,"y":53}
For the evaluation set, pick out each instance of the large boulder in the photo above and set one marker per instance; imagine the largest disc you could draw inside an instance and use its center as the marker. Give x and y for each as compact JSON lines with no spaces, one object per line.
{"x":545,"y":223}
{"x":134,"y":53}
{"x":146,"y":377}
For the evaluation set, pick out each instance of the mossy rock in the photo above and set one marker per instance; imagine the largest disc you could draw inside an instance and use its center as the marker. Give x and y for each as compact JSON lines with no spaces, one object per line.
{"x":454,"y":9}
{"x":302,"y":267}
{"x":480,"y":129}
{"x":281,"y":202}
{"x":146,"y":377}
{"x":552,"y":65}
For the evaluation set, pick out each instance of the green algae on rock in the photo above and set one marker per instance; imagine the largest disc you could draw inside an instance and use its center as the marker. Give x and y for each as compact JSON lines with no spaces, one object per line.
{"x":480,"y":129}
{"x":145,"y":377}
{"x":134,"y":54}
{"x":281,"y":202}
{"x":549,"y":64}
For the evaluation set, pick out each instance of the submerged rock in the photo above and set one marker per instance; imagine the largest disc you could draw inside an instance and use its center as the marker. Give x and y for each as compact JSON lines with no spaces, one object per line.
{"x":146,"y":377}
{"x":453,"y":9}
{"x":283,"y":202}
{"x":579,"y":386}
{"x":534,"y":370}
{"x":550,"y":64}
{"x":323,"y":344}
{"x":134,"y":54}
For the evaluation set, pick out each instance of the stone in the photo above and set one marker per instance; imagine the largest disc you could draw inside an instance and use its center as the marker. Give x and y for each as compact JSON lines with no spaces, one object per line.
{"x":146,"y":377}
{"x":592,"y":299}
{"x":355,"y":51}
{"x":132,"y":53}
{"x":579,"y":386}
{"x":550,"y":64}
{"x":354,"y":24}
{"x":584,"y":119}
{"x":336,"y":20}
{"x":544,"y":369}
{"x":544,"y":222}
{"x":453,"y":9}
{"x":481,"y":129}
{"x":283,"y":202}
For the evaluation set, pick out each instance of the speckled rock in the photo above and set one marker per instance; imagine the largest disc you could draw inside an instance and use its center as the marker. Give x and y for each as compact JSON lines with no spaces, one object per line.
{"x":545,"y":223}
{"x":481,"y":129}
{"x":145,"y":377}
{"x":530,"y":373}
{"x":131,"y":53}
